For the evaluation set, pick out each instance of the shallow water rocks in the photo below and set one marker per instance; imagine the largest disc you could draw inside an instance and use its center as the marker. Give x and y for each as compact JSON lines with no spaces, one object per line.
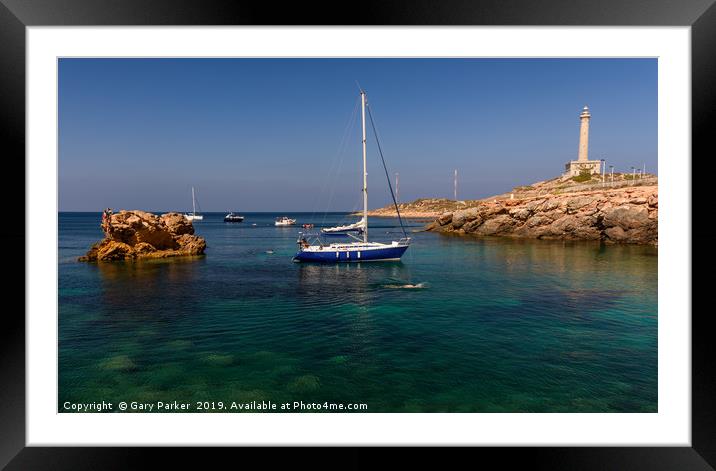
{"x":118,"y":363}
{"x":305,"y":383}
{"x":219,"y":359}
{"x":138,"y":234}
{"x":627,"y":215}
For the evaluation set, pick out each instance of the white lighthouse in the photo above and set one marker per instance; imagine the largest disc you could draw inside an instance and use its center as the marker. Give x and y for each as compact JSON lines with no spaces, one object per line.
{"x":584,"y":134}
{"x":575,"y":167}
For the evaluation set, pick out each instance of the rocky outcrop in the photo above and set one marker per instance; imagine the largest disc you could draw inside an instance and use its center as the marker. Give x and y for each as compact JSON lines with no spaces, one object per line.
{"x":138,"y":234}
{"x":626,"y":215}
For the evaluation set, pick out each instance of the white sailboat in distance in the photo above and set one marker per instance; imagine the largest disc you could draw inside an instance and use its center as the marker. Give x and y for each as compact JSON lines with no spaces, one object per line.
{"x":193,"y":216}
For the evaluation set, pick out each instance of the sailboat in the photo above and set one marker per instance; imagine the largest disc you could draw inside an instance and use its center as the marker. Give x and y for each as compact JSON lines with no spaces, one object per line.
{"x":344,"y":230}
{"x":361,"y":249}
{"x":193,"y":216}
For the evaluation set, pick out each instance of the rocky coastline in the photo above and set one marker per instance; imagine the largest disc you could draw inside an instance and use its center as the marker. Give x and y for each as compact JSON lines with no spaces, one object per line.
{"x":131,"y":235}
{"x":624,"y":215}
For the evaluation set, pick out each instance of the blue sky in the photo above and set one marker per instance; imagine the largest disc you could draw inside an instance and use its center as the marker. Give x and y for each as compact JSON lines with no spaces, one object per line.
{"x":275,"y":134}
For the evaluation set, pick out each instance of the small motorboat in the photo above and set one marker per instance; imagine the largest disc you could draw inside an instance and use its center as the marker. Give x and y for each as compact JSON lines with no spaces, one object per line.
{"x":233,"y":217}
{"x":307,"y":226}
{"x":285,"y":221}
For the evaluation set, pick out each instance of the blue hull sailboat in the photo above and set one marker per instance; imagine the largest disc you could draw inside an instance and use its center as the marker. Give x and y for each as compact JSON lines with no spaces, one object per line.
{"x":361,"y":250}
{"x":353,"y":252}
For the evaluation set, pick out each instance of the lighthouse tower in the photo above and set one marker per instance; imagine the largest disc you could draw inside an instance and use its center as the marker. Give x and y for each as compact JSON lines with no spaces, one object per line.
{"x":575,"y":167}
{"x":584,"y":135}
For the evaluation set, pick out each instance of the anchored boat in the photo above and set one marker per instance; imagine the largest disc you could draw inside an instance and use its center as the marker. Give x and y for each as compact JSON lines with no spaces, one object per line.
{"x":312,"y":249}
{"x":344,"y":230}
{"x":284,"y":221}
{"x":193,"y":216}
{"x":233,"y":217}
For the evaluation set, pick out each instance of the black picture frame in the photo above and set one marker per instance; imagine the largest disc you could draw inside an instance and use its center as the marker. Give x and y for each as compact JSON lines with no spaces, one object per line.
{"x":16,"y":15}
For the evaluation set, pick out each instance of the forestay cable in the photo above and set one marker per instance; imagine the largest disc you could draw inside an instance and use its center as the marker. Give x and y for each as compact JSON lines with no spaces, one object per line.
{"x":380,"y":150}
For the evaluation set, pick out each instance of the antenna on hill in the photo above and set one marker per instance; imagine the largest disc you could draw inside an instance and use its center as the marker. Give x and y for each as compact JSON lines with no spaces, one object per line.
{"x":397,"y":187}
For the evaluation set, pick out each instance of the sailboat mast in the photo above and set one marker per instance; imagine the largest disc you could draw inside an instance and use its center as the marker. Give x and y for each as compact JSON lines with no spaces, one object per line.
{"x":365,"y":173}
{"x":193,"y":202}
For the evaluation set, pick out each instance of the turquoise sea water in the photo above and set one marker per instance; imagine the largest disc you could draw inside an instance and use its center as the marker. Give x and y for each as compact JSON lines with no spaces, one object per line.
{"x":499,"y":325}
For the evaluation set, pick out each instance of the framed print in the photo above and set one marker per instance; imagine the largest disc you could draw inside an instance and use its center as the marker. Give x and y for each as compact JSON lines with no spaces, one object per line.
{"x":424,"y":226}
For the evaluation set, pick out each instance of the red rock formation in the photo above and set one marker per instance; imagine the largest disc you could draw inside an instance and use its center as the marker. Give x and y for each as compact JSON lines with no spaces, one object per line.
{"x":627,"y":215}
{"x":138,"y":234}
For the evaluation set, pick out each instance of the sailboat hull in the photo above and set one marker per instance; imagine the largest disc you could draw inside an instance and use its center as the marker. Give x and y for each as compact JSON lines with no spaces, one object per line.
{"x":329,"y":255}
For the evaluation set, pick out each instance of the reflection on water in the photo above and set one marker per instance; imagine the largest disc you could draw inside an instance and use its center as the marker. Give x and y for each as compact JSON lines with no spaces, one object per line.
{"x":495,"y":325}
{"x":138,"y":273}
{"x":335,"y":284}
{"x":126,"y":287}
